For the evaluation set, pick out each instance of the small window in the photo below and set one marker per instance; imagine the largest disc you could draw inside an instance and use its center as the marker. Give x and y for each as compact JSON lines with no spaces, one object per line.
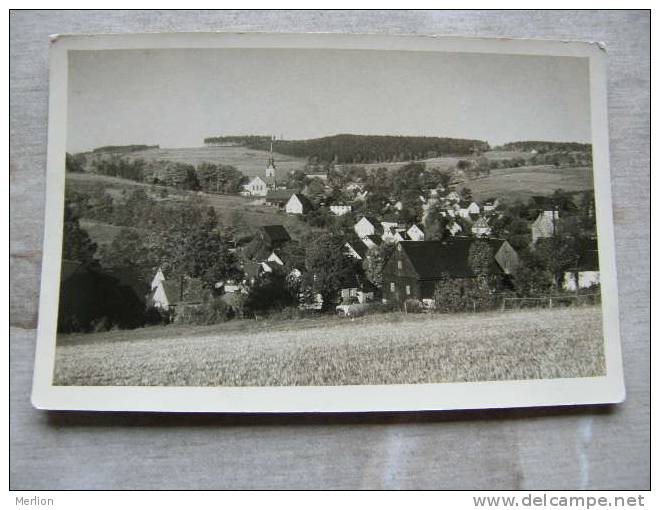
{"x":399,"y":264}
{"x":407,"y":290}
{"x":392,"y":287}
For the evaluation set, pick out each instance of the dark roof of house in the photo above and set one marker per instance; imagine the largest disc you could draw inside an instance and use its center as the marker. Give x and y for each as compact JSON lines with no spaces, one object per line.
{"x":374,"y":239}
{"x":193,"y":291}
{"x":274,"y":234}
{"x":306,"y":204}
{"x":432,"y":259}
{"x":359,"y":247}
{"x":279,"y":195}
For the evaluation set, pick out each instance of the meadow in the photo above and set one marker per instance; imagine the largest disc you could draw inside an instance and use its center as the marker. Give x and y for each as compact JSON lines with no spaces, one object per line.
{"x":249,"y":161}
{"x":246,"y":214}
{"x":378,"y":349}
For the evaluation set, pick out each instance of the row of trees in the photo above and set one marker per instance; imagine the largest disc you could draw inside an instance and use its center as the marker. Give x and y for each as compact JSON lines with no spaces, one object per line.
{"x":209,"y":177}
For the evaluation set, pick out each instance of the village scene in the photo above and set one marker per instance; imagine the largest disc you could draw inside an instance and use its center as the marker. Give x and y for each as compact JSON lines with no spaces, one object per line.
{"x":322,"y":259}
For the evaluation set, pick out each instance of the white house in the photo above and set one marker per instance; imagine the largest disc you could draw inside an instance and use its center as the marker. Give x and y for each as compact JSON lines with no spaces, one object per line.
{"x":490,"y":206}
{"x":366,"y":227}
{"x":545,"y":225}
{"x":481,"y":227}
{"x":586,"y":272}
{"x":340,"y":210}
{"x":454,"y":228}
{"x":159,"y":277}
{"x":298,"y":204}
{"x":256,"y":187}
{"x":273,"y":257}
{"x":466,"y":209}
{"x":389,"y":230}
{"x":265,"y":268}
{"x":415,"y":233}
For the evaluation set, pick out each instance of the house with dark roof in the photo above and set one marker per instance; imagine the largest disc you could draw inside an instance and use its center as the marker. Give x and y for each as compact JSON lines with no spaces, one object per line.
{"x":416,"y":267}
{"x":279,"y":197}
{"x":274,"y":236}
{"x":356,"y":249}
{"x":170,"y":294}
{"x":298,"y":204}
{"x":586,"y":272}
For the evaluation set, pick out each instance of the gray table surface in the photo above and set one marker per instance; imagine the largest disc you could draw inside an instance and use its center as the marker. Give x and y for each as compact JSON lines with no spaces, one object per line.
{"x":594,"y":447}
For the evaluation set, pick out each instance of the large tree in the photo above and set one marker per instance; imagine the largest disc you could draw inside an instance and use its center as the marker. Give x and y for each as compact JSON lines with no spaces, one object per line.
{"x":328,"y":267}
{"x":76,"y":243}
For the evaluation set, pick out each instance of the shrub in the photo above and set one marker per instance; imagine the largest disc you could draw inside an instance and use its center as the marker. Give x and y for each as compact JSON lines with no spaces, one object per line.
{"x":463,"y":295}
{"x":211,"y":312}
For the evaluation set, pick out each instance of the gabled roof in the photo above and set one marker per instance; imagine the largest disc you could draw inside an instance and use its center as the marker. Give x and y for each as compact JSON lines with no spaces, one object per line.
{"x":279,"y":195}
{"x":358,"y":247}
{"x":481,"y":223}
{"x":432,"y":259}
{"x":306,"y":204}
{"x":274,"y":234}
{"x":374,"y":239}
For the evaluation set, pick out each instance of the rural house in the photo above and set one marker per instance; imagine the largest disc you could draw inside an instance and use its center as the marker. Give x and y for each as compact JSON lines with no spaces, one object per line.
{"x":371,"y":241}
{"x":171,"y":295}
{"x":481,"y":228}
{"x":465,"y":209}
{"x":158,"y":277}
{"x":545,"y":225}
{"x":279,"y":197}
{"x":416,"y":233}
{"x":415,"y":268}
{"x":274,"y":257}
{"x":256,"y":187}
{"x":273,"y":236}
{"x":367,"y":226}
{"x":359,"y":290}
{"x":298,"y":204}
{"x":586,"y":272}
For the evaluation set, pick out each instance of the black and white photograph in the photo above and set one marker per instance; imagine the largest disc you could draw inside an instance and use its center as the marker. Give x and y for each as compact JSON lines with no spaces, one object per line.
{"x":339,"y":213}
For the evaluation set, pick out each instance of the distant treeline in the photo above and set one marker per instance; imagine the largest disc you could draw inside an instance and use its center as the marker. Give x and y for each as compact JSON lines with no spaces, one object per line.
{"x":208,"y":177}
{"x":543,"y":147}
{"x":124,"y":148}
{"x":355,"y":149}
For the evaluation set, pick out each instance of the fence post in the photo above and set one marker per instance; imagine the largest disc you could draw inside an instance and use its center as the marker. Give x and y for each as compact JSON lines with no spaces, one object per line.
{"x":550,"y":304}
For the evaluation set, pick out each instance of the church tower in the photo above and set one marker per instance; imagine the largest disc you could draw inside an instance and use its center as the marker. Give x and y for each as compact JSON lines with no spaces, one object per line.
{"x":270,"y":165}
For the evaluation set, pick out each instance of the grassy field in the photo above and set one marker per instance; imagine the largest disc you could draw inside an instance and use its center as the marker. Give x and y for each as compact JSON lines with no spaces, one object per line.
{"x":232,"y":210}
{"x":525,"y":182}
{"x":249,"y":161}
{"x":378,"y":349}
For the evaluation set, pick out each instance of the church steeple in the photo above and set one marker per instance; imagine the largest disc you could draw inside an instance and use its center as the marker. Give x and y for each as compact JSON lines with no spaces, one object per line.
{"x":270,"y":165}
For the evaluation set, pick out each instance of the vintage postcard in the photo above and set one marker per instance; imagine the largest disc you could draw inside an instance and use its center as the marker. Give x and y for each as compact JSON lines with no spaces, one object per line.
{"x":319,"y":222}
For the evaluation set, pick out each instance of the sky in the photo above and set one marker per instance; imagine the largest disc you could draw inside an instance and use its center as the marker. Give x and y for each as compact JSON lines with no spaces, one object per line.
{"x":176,"y":98}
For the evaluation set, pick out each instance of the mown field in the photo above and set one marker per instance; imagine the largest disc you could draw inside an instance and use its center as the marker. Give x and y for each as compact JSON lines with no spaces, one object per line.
{"x":377,"y":349}
{"x":525,"y":182}
{"x":249,"y":161}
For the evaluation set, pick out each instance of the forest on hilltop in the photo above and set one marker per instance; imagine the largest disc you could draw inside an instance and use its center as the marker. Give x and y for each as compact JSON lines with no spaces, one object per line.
{"x":349,"y":149}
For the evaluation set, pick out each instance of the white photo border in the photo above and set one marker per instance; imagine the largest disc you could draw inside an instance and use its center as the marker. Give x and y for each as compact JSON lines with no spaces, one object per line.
{"x":354,"y":398}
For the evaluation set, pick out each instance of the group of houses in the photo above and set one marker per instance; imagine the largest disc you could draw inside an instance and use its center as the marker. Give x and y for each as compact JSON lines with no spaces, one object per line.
{"x":417,"y":264}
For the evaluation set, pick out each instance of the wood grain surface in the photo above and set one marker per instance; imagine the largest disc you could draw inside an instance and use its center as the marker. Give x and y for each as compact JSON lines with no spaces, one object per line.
{"x":595,"y":447}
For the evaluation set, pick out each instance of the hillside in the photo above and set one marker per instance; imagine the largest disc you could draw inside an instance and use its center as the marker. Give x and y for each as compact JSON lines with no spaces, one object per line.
{"x":527,"y":181}
{"x":250,"y":162}
{"x":246,"y":214}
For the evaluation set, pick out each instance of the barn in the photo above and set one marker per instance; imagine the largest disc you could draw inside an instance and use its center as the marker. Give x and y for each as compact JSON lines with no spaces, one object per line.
{"x":416,"y":267}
